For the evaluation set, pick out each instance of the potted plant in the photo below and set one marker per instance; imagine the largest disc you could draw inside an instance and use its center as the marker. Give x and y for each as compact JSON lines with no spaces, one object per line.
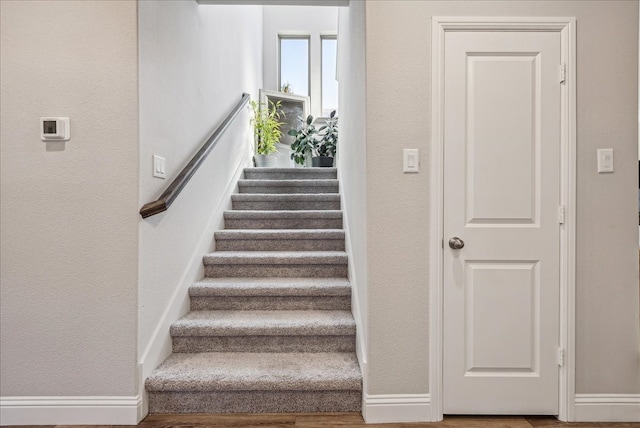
{"x":328,"y":142}
{"x":266,"y":130}
{"x":286,"y":88}
{"x":319,"y":143}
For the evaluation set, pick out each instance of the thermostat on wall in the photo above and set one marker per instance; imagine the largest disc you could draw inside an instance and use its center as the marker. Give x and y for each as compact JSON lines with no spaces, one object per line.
{"x":54,"y":128}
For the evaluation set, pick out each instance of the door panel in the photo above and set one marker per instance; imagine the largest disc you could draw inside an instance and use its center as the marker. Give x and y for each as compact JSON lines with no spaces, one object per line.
{"x":501,"y":140}
{"x":510,"y":281}
{"x":502,"y":165}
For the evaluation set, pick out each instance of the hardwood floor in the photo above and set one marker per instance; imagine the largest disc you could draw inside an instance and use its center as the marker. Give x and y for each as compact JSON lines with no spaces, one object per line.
{"x":344,"y":420}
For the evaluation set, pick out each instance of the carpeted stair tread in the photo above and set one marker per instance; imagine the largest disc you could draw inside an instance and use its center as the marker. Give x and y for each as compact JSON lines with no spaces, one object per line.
{"x":233,"y":371}
{"x":288,"y":186}
{"x":283,"y":219}
{"x":328,"y":197}
{"x":280,"y":240}
{"x":271,"y":287}
{"x":275,"y":258}
{"x":273,"y":214}
{"x":288,"y":173}
{"x":271,"y":294}
{"x":292,"y":201}
{"x":288,"y":182}
{"x":295,"y":234}
{"x":265,"y":323}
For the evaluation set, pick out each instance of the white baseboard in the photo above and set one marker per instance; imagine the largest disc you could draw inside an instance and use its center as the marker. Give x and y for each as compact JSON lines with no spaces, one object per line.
{"x":607,"y":408}
{"x":396,"y":408}
{"x":417,"y":408}
{"x":69,"y":410}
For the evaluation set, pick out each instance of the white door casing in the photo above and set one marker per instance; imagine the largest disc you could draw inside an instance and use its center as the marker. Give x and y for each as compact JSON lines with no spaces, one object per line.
{"x":503,"y":157}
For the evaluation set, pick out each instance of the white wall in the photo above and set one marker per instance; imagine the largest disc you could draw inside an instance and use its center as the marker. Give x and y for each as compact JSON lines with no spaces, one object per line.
{"x":195,"y":62}
{"x":398,"y":80}
{"x":313,"y":21}
{"x":351,"y":159}
{"x":69,"y":222}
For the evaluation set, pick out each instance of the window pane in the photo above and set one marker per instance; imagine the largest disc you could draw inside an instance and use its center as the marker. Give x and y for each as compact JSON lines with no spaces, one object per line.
{"x":294,"y":65}
{"x":329,"y":82}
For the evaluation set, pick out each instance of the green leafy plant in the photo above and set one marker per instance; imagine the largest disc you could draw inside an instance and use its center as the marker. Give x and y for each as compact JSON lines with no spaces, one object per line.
{"x":266,"y":126}
{"x":329,"y":136}
{"x":317,"y":142}
{"x":306,"y":139}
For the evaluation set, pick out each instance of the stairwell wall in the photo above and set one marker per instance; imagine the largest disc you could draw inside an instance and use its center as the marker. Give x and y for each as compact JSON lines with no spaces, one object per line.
{"x":351,"y":161}
{"x":398,"y":88}
{"x":69,"y":221}
{"x":195,"y":62}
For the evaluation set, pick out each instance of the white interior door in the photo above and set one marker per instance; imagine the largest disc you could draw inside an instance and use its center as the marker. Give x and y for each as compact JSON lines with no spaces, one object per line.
{"x":501,"y":198}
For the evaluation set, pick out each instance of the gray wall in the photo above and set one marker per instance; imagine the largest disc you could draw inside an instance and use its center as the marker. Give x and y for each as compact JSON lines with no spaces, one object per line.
{"x":398,"y":101}
{"x":351,"y":158}
{"x":195,"y":63}
{"x":69,"y":224}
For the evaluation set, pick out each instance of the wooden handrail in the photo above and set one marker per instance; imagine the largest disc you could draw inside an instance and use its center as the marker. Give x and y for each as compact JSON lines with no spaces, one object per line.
{"x":171,"y":193}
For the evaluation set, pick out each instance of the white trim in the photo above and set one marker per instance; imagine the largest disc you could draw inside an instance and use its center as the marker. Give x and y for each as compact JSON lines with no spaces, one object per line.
{"x":396,"y":408}
{"x":143,"y":408}
{"x":567,"y":29}
{"x":568,"y":177}
{"x":436,"y":226}
{"x":69,"y":410}
{"x":607,"y":408}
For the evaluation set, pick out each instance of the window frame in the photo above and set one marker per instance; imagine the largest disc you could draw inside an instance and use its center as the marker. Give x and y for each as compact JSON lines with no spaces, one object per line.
{"x":324,"y":37}
{"x":295,"y":36}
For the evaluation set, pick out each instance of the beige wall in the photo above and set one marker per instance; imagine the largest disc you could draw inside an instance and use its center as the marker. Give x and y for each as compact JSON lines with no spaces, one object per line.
{"x":69,"y":224}
{"x":398,"y":62}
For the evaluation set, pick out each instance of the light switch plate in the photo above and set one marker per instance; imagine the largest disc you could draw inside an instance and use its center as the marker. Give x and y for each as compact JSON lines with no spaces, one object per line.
{"x":605,"y":160}
{"x":159,"y":167}
{"x":411,"y":162}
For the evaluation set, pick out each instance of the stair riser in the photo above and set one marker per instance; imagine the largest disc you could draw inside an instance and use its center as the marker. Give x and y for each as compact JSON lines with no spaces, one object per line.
{"x":285,"y":205}
{"x":269,"y":303}
{"x":277,"y":271}
{"x":255,"y":401}
{"x":280,"y":245}
{"x":251,"y":174}
{"x":285,"y":223}
{"x":288,"y":189}
{"x":264,"y":344}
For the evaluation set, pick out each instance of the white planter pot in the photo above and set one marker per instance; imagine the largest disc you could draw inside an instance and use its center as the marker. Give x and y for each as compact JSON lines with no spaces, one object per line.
{"x":266,"y":161}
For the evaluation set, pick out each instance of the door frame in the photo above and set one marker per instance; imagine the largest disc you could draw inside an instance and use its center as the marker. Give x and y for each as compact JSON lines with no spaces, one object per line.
{"x":566,"y":27}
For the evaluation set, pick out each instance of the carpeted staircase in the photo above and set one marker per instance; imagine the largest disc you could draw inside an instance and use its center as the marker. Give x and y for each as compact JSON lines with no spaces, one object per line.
{"x":270,"y":327}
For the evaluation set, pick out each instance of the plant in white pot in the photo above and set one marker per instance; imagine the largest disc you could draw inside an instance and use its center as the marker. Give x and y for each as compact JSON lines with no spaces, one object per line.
{"x":266,"y":130}
{"x":320,"y":143}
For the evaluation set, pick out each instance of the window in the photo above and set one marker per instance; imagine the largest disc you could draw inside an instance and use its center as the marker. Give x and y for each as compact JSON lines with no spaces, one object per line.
{"x":294,"y":64}
{"x":329,"y":82}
